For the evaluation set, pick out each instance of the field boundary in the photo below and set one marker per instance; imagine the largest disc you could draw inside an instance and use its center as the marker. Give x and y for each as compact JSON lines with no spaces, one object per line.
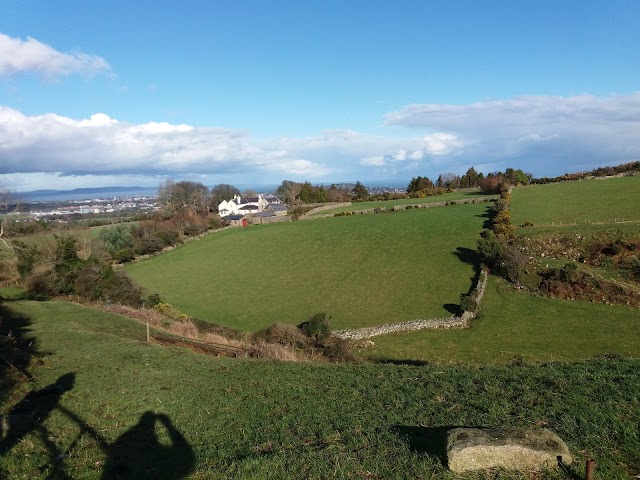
{"x":397,"y":208}
{"x":462,"y":321}
{"x":585,"y":222}
{"x":207,"y":347}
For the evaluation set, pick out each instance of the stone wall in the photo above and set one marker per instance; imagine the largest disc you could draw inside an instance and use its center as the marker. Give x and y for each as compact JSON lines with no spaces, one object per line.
{"x":266,"y":220}
{"x":327,"y":206}
{"x":462,"y":321}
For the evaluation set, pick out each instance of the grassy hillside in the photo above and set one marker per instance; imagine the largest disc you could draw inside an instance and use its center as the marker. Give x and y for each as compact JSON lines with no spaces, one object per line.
{"x":364,"y":270}
{"x":514,"y":324}
{"x":603,"y":200}
{"x":138,"y":410}
{"x":447,"y":197}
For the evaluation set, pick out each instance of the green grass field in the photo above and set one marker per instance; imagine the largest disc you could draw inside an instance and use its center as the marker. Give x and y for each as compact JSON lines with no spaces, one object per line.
{"x":514,"y":324}
{"x":364,"y":270}
{"x":604,"y":200}
{"x":146,"y":411}
{"x":447,"y":197}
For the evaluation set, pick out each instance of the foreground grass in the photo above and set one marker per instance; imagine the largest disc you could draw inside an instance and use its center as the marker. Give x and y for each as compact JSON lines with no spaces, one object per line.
{"x":364,"y":270}
{"x":446,"y":197}
{"x":514,"y":324}
{"x":605,"y":200}
{"x":253,"y":419}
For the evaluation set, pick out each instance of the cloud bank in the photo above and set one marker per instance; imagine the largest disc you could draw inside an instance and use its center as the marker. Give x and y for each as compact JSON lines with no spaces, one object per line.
{"x":541,"y":134}
{"x":30,"y":55}
{"x":546,"y":134}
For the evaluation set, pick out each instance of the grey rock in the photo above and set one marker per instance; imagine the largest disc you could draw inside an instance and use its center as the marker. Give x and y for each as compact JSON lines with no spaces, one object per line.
{"x":510,"y":448}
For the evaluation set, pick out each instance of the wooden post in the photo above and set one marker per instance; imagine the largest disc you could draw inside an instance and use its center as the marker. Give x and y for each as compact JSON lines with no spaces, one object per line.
{"x":147,"y":331}
{"x":591,"y":467}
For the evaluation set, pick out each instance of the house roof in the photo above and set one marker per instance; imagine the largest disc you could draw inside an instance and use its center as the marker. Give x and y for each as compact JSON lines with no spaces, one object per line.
{"x":248,"y":207}
{"x":278,"y":207}
{"x":235,"y":217}
{"x":264,"y":214}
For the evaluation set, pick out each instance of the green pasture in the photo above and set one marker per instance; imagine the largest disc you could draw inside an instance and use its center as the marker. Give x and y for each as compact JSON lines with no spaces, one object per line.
{"x":514,"y":324}
{"x":447,"y":197}
{"x":587,"y":201}
{"x":133,"y":410}
{"x":363,"y":270}
{"x":584,"y":229}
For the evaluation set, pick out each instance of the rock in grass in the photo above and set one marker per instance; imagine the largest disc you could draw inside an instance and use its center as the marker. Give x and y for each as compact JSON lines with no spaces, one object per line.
{"x":510,"y":448}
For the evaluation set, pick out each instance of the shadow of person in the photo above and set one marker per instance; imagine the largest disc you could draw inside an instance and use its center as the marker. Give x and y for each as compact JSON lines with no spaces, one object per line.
{"x":139,"y":454}
{"x":31,"y":412}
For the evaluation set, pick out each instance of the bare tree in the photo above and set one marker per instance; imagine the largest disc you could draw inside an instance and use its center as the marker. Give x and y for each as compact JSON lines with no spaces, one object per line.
{"x":290,"y":190}
{"x":222,"y":192}
{"x":6,"y":200}
{"x":184,"y":196}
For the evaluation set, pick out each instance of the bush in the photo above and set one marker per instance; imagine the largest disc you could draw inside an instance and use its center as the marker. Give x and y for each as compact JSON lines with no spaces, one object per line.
{"x":116,"y":238}
{"x":148,"y":245}
{"x":152,"y":300}
{"x":282,"y":334}
{"x":215,"y":222}
{"x":167,"y":237}
{"x":43,"y":283}
{"x":317,"y":326}
{"x":468,"y":303}
{"x":98,"y":281}
{"x":124,"y":255}
{"x":512,"y":263}
{"x":337,"y":350}
{"x":274,"y":351}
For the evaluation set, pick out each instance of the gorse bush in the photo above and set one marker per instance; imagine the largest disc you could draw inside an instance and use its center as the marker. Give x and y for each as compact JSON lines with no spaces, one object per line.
{"x":93,"y":279}
{"x":283,"y":334}
{"x":317,"y":326}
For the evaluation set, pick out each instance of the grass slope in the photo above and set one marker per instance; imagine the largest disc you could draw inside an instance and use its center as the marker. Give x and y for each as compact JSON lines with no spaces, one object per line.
{"x":602,"y":200}
{"x":364,"y":270}
{"x":447,"y":197}
{"x":257,"y":419}
{"x":515,"y":324}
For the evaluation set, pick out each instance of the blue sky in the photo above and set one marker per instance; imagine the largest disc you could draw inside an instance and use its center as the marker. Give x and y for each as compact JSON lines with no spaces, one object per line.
{"x":254,"y":92}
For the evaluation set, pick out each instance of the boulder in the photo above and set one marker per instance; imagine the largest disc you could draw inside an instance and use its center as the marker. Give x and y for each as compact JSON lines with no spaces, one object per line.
{"x":511,"y":448}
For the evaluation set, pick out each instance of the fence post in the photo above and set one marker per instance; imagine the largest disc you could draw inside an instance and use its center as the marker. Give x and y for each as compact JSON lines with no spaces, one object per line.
{"x":591,"y":466}
{"x":147,"y":331}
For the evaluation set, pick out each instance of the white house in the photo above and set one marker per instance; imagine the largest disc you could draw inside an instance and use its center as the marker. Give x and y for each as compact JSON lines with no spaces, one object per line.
{"x":242,"y":205}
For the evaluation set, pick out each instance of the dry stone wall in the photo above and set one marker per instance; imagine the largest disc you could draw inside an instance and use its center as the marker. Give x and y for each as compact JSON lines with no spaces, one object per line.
{"x":462,"y":321}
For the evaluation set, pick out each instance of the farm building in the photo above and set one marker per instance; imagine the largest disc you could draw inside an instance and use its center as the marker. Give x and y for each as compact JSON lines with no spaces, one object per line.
{"x":237,"y":220}
{"x":242,"y":205}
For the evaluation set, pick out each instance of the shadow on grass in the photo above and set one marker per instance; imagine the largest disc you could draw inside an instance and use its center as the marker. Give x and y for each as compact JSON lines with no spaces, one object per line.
{"x":453,"y":308}
{"x":138,"y":453}
{"x":28,"y":416}
{"x":472,"y":258}
{"x":395,"y":361}
{"x":429,"y":440}
{"x":488,"y":218}
{"x":17,"y":348}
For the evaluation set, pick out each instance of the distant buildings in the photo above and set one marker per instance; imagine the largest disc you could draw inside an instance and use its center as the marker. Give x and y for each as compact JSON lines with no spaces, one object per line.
{"x":242,"y":205}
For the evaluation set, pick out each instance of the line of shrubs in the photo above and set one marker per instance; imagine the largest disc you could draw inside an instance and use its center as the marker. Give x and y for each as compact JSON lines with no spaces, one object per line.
{"x":496,"y":246}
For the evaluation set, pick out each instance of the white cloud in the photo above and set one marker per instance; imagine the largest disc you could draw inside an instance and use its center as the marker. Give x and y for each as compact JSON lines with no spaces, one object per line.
{"x":376,"y":161}
{"x":542,"y":135}
{"x":401,"y":156}
{"x":442,"y":144}
{"x":101,"y":145}
{"x":545,"y":134}
{"x":30,"y":55}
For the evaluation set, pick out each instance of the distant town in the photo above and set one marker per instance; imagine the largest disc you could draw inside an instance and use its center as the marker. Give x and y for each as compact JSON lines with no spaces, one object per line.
{"x":56,"y":205}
